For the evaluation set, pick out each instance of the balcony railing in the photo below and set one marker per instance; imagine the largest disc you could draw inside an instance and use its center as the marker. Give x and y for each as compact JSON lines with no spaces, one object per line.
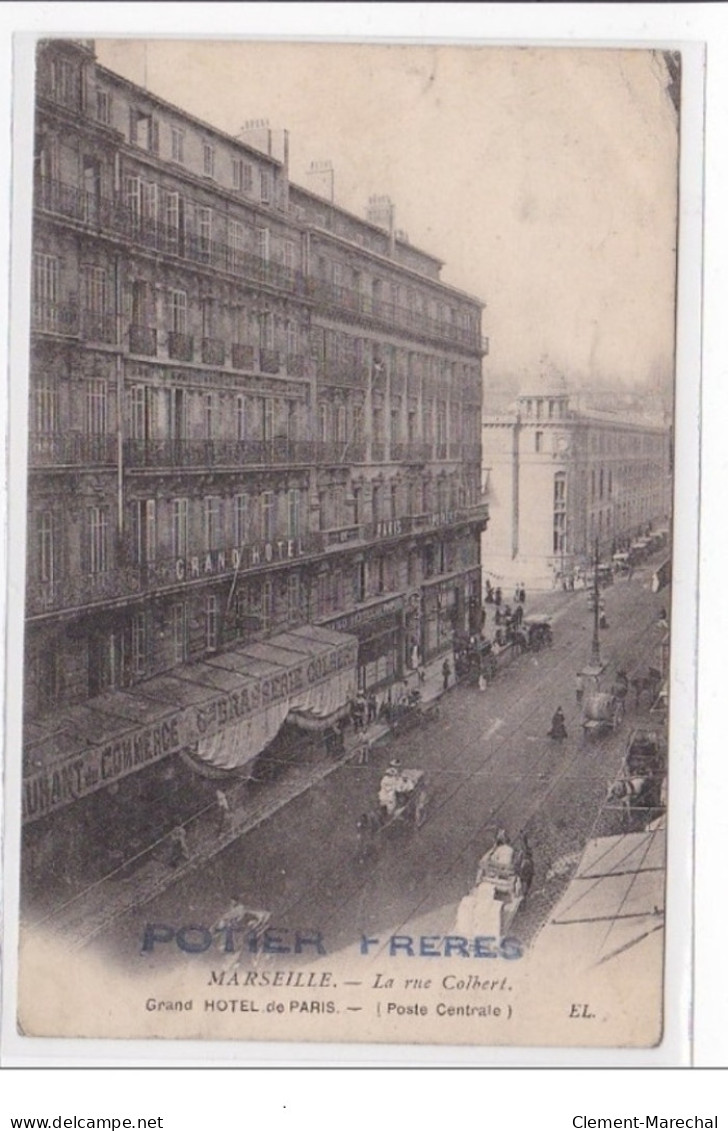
{"x":413,"y":451}
{"x":213,"y":351}
{"x":243,"y":357}
{"x":340,"y":451}
{"x":127,"y":223}
{"x":143,"y":340}
{"x":181,"y":347}
{"x":67,"y":449}
{"x":394,"y":317}
{"x":81,"y":589}
{"x":98,"y":327}
{"x":217,"y":453}
{"x":342,"y":535}
{"x":55,"y":318}
{"x":270,"y":361}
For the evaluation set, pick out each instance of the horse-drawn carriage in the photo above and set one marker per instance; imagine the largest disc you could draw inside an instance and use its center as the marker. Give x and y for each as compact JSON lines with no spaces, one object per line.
{"x":411,"y":711}
{"x":602,"y":711}
{"x":474,"y":658}
{"x":641,"y":784}
{"x":502,"y":882}
{"x":403,"y":801}
{"x":535,"y":633}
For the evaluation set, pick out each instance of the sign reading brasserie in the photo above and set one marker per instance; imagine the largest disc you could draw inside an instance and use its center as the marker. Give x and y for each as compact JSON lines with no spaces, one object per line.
{"x":99,"y":766}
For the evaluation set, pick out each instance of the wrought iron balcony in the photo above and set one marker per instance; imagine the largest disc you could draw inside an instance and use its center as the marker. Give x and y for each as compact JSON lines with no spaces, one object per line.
{"x":213,"y":351}
{"x":81,"y":590}
{"x":342,"y":535}
{"x":181,"y":347}
{"x":212,"y":454}
{"x":392,"y":316}
{"x":143,"y":340}
{"x":117,"y":218}
{"x":55,"y":318}
{"x":70,"y":449}
{"x":340,"y":451}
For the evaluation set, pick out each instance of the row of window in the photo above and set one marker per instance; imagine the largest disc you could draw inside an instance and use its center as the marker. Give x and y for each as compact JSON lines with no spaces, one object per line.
{"x":151,"y":641}
{"x":405,"y":299}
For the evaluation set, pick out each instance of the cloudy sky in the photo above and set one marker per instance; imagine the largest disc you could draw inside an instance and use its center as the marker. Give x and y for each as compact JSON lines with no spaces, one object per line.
{"x":545,"y":178}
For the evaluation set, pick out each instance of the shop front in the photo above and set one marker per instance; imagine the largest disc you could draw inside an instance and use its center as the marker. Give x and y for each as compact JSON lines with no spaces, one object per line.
{"x":379,"y":627}
{"x":220,"y":713}
{"x":450,"y":607}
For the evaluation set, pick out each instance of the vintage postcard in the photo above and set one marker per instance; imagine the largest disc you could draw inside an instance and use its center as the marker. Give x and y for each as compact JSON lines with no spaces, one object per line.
{"x":351,"y":458}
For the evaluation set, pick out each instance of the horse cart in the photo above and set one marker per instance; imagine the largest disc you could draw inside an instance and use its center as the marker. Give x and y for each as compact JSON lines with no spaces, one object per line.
{"x":491,"y":905}
{"x":641,"y":785}
{"x":403,"y":798}
{"x":473,"y":659}
{"x":410,"y":712}
{"x":535,"y":633}
{"x":603,"y":711}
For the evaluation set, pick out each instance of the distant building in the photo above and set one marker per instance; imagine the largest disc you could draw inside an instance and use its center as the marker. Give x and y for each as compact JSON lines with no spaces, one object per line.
{"x":251,"y":413}
{"x":561,"y":479}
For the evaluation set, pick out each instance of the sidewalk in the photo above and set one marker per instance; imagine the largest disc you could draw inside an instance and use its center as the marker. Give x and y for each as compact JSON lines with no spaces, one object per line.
{"x":146,"y":876}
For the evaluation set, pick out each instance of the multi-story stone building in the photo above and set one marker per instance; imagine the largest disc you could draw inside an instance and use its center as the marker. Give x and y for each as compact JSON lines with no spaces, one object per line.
{"x":254,"y":440}
{"x":562,"y":480}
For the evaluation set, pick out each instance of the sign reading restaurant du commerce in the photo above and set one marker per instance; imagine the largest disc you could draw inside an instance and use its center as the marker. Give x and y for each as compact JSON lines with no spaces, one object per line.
{"x":96,"y":767}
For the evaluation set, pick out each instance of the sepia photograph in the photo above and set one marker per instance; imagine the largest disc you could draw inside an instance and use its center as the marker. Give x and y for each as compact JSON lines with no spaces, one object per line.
{"x":348,"y":563}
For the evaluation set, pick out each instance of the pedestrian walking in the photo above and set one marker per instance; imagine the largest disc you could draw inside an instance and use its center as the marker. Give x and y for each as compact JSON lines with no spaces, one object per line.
{"x":371,"y":707}
{"x":446,"y":671}
{"x":482,"y":682}
{"x":224,"y":816}
{"x":579,"y":688}
{"x":498,"y":596}
{"x":558,"y":726}
{"x":522,"y":597}
{"x":180,"y":849}
{"x":421,"y":675}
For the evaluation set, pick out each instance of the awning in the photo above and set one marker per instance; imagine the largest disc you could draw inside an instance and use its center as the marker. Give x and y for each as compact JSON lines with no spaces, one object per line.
{"x":225,"y":709}
{"x":614,"y":904}
{"x":308,"y":673}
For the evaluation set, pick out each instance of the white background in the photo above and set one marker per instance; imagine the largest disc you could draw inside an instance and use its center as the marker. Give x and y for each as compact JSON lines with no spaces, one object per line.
{"x":546,"y":1098}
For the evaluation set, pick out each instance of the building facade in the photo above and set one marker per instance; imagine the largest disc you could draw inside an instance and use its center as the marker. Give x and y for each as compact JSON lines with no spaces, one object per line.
{"x":250,"y":412}
{"x":561,"y":480}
